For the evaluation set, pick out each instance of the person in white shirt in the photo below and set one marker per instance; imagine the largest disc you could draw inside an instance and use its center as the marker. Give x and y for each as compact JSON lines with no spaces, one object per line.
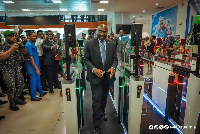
{"x":38,"y":44}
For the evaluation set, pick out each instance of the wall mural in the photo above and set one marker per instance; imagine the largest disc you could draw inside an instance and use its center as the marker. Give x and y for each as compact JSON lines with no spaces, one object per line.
{"x":164,"y":23}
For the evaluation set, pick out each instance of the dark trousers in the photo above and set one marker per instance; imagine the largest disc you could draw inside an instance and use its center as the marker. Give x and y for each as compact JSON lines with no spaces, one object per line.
{"x":43,"y":72}
{"x":99,"y":100}
{"x":52,"y":78}
{"x":55,"y":73}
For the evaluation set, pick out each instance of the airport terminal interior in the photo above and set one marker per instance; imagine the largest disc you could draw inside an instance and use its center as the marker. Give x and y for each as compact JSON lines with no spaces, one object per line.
{"x":99,"y":67}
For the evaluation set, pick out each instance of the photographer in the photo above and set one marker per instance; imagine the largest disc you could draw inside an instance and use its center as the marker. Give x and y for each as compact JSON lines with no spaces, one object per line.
{"x":11,"y":70}
{"x":49,"y":52}
{"x":57,"y":59}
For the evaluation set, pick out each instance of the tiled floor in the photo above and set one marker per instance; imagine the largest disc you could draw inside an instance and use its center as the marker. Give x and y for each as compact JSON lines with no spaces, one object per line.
{"x":44,"y":117}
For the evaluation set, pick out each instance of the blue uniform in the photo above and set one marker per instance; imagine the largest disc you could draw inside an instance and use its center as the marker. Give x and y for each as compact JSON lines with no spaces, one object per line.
{"x":34,"y":78}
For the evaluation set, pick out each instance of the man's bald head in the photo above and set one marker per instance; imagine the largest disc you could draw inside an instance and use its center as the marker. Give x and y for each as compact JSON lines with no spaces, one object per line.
{"x":103,"y":26}
{"x":102,"y":31}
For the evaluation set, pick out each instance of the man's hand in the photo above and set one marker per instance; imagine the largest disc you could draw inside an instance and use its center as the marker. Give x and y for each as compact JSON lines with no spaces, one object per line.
{"x":54,"y":47}
{"x":20,"y":31}
{"x":98,"y":72}
{"x":14,"y":47}
{"x":1,"y":53}
{"x":112,"y":72}
{"x":38,"y":72}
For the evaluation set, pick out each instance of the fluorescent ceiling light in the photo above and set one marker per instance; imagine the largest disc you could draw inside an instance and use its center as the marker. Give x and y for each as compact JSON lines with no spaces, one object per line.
{"x":156,"y":4}
{"x":63,"y":9}
{"x":69,"y":13}
{"x":101,"y":9}
{"x":8,"y":2}
{"x":25,"y":9}
{"x":133,"y":16}
{"x":103,"y":1}
{"x":57,"y":1}
{"x":99,"y":13}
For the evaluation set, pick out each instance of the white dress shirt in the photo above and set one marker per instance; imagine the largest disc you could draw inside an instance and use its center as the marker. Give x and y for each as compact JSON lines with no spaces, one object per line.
{"x":38,"y":45}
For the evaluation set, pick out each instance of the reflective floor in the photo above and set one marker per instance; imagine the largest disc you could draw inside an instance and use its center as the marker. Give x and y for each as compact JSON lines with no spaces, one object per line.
{"x":47,"y":117}
{"x":110,"y":126}
{"x":43,"y":117}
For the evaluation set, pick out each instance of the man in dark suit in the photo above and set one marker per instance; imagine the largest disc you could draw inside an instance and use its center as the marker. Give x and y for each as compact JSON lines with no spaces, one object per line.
{"x":49,"y":52}
{"x":101,"y":61}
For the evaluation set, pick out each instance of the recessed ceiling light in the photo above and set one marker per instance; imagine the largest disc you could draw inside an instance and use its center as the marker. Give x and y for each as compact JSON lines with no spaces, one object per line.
{"x":103,"y":1}
{"x":101,"y":9}
{"x":143,"y":11}
{"x":63,"y":9}
{"x":25,"y":9}
{"x":69,"y":13}
{"x":156,"y":4}
{"x":8,"y":2}
{"x":57,"y":1}
{"x":99,"y":13}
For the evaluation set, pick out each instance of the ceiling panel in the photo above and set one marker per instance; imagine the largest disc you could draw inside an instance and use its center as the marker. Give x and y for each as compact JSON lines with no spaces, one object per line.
{"x":39,"y":7}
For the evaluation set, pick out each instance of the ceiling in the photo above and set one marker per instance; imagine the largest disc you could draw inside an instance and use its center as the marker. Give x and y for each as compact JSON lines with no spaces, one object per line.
{"x":79,"y":7}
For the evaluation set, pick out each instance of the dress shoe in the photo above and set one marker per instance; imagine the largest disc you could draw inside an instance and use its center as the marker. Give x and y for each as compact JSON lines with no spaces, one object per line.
{"x":45,"y":89}
{"x":2,"y":95}
{"x":25,"y":92}
{"x":14,"y":107}
{"x":21,"y":102}
{"x":2,"y":117}
{"x":51,"y":92}
{"x":58,"y":86}
{"x":44,"y":93}
{"x":39,"y":98}
{"x":21,"y":97}
{"x":3,"y":102}
{"x":36,"y":99}
{"x":103,"y":116}
{"x":97,"y":130}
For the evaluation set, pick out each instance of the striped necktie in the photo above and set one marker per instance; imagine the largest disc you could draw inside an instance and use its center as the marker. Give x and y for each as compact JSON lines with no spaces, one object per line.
{"x":103,"y":52}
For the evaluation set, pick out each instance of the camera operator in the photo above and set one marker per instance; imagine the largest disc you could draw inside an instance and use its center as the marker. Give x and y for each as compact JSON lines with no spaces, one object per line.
{"x":49,"y":52}
{"x":11,"y":70}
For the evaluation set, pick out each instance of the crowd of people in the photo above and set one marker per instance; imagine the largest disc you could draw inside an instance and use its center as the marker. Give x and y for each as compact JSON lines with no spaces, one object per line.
{"x":28,"y":62}
{"x":31,"y":61}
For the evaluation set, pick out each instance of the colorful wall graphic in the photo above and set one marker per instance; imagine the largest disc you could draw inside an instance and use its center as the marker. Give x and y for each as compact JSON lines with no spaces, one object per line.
{"x":164,"y":23}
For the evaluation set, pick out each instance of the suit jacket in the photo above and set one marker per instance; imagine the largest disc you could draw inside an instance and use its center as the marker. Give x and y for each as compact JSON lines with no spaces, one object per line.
{"x":48,"y":53}
{"x":93,"y":59}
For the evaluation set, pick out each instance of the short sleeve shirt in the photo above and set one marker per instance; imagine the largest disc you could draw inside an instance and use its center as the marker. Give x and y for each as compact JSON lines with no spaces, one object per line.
{"x":32,"y":51}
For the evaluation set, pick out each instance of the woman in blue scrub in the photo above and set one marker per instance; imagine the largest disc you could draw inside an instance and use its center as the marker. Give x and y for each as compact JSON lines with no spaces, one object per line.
{"x":33,"y":67}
